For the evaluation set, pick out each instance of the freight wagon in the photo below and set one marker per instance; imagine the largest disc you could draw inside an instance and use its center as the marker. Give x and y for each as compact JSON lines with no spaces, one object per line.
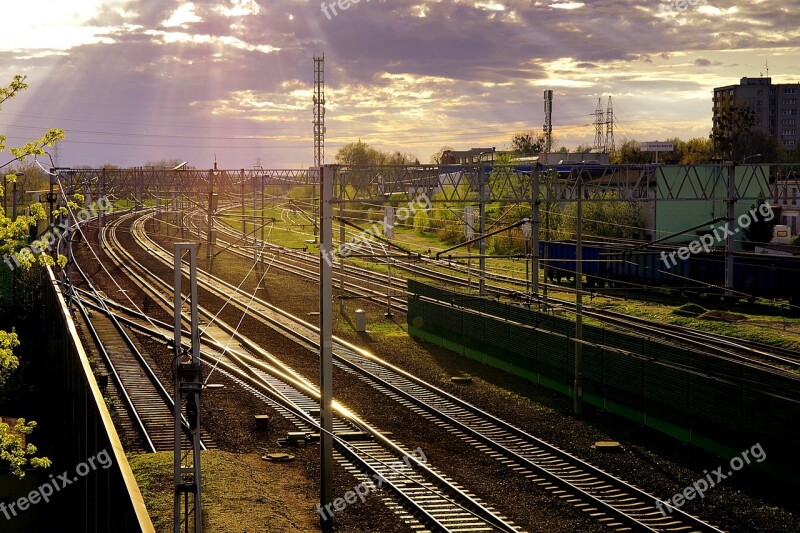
{"x":754,"y":275}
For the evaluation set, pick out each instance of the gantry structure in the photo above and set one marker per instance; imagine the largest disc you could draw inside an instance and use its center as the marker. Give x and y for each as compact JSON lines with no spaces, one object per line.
{"x":450,"y":184}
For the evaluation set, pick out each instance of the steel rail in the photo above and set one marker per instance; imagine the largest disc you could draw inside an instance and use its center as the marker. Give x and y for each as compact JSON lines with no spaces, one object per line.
{"x":475,"y":508}
{"x":138,"y":356}
{"x":620,"y":492}
{"x":723,"y":345}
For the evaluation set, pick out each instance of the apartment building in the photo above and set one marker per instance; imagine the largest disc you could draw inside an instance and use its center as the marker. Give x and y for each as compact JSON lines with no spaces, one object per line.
{"x":775,"y":106}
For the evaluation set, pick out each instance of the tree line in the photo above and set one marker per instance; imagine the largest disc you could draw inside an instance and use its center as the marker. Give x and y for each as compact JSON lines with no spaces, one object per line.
{"x":15,"y":455}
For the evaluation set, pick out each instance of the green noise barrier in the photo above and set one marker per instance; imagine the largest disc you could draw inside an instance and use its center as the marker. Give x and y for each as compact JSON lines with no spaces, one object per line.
{"x":697,"y":398}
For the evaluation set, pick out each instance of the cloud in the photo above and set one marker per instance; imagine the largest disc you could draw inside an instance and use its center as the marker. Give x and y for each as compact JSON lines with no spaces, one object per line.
{"x":702,"y":62}
{"x":182,"y":16}
{"x":234,"y":76}
{"x":239,"y":8}
{"x":567,"y":5}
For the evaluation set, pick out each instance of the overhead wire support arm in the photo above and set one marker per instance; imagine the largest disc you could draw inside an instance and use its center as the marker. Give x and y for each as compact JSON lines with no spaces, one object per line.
{"x":487,"y":256}
{"x":389,"y":256}
{"x":377,"y":237}
{"x":671,"y":235}
{"x":482,"y":237}
{"x":271,"y":220}
{"x":305,"y":215}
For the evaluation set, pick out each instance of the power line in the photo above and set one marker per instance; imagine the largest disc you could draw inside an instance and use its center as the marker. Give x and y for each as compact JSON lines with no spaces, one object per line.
{"x":479,"y":129}
{"x":157,"y":135}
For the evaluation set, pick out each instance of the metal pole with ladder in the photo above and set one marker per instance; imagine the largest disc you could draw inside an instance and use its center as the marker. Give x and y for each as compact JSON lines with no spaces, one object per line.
{"x":188,"y":386}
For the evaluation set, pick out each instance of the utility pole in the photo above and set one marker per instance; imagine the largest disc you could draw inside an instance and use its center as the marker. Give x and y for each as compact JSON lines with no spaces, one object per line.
{"x":548,"y":121}
{"x":578,"y":392}
{"x":341,"y":242}
{"x":66,"y":274}
{"x":139,"y":188}
{"x":388,"y":224}
{"x":535,"y":234}
{"x":547,"y":186}
{"x":263,"y":223}
{"x":188,"y":386}
{"x":482,"y":230}
{"x":210,"y":218}
{"x":469,"y":234}
{"x":731,"y":205}
{"x":51,"y":197}
{"x":255,"y":210}
{"x":326,"y":174}
{"x":319,"y":129}
{"x":18,"y":175}
{"x":180,"y":220}
{"x":173,"y":208}
{"x":244,"y":222}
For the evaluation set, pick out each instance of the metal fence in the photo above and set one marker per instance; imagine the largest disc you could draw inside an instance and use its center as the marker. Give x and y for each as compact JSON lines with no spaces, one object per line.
{"x":106,"y":500}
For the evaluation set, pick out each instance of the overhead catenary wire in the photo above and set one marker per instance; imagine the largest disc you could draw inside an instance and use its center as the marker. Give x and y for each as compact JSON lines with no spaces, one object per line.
{"x":315,"y":424}
{"x":635,"y":242}
{"x":94,"y":254}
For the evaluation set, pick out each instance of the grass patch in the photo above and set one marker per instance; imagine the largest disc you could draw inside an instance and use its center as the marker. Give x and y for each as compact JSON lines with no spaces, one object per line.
{"x":284,"y":227}
{"x":241,"y":493}
{"x":691,"y":310}
{"x":722,"y":316}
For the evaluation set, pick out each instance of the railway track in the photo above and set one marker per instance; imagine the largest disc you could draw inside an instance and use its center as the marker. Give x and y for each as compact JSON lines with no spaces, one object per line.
{"x":358,"y":282}
{"x":428,"y":496}
{"x":147,"y":403}
{"x":744,"y":351}
{"x":609,"y":499}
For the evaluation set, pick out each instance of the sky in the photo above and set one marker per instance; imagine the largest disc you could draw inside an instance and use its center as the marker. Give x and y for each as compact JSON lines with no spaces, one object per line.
{"x":138,"y":81}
